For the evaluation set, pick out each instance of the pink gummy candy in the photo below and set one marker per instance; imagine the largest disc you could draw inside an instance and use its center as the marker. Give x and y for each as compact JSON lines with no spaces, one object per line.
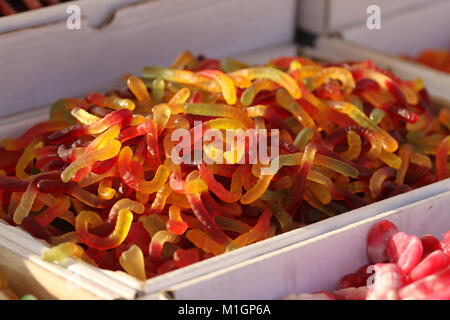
{"x":434,"y":262}
{"x":378,"y":239}
{"x":389,"y":277}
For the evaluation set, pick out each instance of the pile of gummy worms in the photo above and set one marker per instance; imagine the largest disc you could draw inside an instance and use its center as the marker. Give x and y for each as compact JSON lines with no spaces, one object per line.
{"x":13,"y":6}
{"x":98,"y":181}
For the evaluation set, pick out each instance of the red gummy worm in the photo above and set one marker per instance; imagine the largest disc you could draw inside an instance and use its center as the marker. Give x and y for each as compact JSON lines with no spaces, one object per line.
{"x":30,"y":225}
{"x":122,"y":117}
{"x":206,"y":219}
{"x":212,"y":206}
{"x":100,"y":167}
{"x":60,"y":207}
{"x":136,"y":131}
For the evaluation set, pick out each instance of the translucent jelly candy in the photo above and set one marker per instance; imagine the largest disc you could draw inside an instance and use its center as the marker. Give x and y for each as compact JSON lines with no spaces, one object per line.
{"x":268,"y":73}
{"x":109,"y":102}
{"x":210,"y":155}
{"x":378,"y":239}
{"x":67,"y":249}
{"x":254,"y":234}
{"x":389,"y":143}
{"x":86,"y":219}
{"x":429,"y":287}
{"x":341,"y":74}
{"x":388,"y":279}
{"x":132,"y":260}
{"x":433,"y":58}
{"x":31,"y":134}
{"x":434,"y":262}
{"x":226,"y":84}
{"x":139,"y":89}
{"x":181,"y":76}
{"x":137,"y":183}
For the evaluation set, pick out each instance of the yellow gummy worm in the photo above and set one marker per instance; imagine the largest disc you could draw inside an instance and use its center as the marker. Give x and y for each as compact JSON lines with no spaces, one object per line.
{"x":376,"y":181}
{"x":139,"y":89}
{"x":405,"y":155}
{"x":104,"y":189}
{"x":117,"y":103}
{"x":108,"y":152}
{"x":25,"y":204}
{"x":83,"y":116}
{"x":341,"y":74}
{"x":145,"y":187}
{"x":286,"y":101}
{"x":186,"y":58}
{"x":255,"y":192}
{"x":230,"y":64}
{"x":86,"y":219}
{"x":389,"y":143}
{"x":256,"y":111}
{"x":391,"y":159}
{"x":161,"y":115}
{"x":203,"y":241}
{"x":224,"y":124}
{"x":180,"y":96}
{"x":303,"y":137}
{"x":250,"y":93}
{"x":160,"y":199}
{"x":163,"y":236}
{"x":212,"y":110}
{"x":420,"y":159}
{"x":231,"y":224}
{"x":158,"y":86}
{"x":101,"y":140}
{"x":175,"y":213}
{"x":320,"y":191}
{"x":225,"y":83}
{"x":27,"y":156}
{"x":354,"y":146}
